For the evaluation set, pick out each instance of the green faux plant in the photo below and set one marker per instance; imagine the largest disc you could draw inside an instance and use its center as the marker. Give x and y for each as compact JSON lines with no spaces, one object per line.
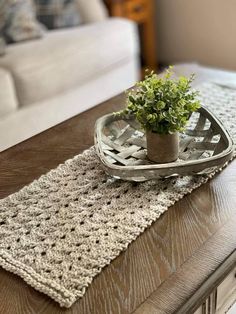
{"x":162,"y":105}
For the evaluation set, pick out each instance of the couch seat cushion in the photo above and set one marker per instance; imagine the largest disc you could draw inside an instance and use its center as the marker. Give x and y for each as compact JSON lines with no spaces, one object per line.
{"x":65,"y":59}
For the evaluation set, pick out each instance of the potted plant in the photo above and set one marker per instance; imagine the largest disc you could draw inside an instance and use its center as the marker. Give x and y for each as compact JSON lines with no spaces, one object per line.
{"x":163,"y":106}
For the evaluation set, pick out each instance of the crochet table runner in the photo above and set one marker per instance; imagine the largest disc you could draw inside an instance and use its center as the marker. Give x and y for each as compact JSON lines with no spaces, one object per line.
{"x":62,"y":229}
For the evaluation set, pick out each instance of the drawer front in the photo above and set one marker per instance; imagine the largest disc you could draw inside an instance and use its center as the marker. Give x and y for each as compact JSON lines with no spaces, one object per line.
{"x":222,"y":298}
{"x":226,"y":292}
{"x":137,"y":10}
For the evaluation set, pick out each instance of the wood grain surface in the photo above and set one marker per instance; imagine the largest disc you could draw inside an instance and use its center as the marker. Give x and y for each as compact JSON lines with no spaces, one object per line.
{"x":195,"y":236}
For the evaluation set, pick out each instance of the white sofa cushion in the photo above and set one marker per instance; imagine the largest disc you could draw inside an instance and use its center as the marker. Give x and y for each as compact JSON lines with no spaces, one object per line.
{"x":8,"y":100}
{"x":64,"y":59}
{"x":30,"y":120}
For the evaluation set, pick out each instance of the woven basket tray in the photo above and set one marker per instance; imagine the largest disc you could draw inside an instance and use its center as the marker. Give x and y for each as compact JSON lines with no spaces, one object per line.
{"x":121,"y":146}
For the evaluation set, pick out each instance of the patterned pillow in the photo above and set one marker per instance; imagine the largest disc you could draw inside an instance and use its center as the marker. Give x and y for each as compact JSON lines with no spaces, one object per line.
{"x":19,"y":21}
{"x":57,"y":13}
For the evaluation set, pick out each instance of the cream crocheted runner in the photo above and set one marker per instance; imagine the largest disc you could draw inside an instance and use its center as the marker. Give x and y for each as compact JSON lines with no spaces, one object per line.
{"x":62,"y":229}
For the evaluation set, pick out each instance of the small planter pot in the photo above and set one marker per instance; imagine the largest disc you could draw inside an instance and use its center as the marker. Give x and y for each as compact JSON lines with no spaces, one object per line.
{"x":162,"y":148}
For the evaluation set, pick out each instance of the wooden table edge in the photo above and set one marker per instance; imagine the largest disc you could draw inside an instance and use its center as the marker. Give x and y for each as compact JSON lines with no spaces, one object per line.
{"x":188,"y":295}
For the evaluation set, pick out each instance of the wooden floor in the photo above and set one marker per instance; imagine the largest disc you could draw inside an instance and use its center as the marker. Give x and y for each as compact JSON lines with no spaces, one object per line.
{"x":171,"y":267}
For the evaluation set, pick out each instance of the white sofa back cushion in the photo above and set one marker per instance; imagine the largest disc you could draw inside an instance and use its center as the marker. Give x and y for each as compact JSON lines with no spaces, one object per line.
{"x":65,"y":59}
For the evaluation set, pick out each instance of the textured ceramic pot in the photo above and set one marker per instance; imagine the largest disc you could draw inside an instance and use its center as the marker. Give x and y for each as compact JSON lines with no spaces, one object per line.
{"x":162,"y":148}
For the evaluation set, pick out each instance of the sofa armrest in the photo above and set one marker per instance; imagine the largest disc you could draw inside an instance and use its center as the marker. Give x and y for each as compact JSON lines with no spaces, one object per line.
{"x":92,"y":10}
{"x":8,"y":99}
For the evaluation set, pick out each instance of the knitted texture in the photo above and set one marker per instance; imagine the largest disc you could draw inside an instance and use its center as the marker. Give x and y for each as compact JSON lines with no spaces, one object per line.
{"x":62,"y":229}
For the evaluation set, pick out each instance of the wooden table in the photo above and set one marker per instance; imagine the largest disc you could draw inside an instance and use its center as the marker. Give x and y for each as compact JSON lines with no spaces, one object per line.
{"x":171,"y":268}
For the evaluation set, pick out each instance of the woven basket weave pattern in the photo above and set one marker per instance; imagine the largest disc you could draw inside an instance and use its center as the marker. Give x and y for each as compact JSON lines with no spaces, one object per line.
{"x":122,"y":148}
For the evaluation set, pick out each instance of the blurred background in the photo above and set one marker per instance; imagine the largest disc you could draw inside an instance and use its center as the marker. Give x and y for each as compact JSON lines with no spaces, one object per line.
{"x":200,"y":31}
{"x":61,"y":57}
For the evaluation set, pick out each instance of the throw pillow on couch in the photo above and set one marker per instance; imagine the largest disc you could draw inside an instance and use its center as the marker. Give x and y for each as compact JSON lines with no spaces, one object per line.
{"x":18,"y":18}
{"x":19,"y":21}
{"x":58,"y":13}
{"x":68,"y":13}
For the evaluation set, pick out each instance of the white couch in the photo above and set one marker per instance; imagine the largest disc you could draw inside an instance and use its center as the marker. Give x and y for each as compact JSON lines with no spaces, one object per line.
{"x":44,"y":82}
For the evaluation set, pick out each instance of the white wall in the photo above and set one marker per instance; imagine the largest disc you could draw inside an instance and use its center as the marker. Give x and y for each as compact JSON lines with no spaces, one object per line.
{"x":197,"y":30}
